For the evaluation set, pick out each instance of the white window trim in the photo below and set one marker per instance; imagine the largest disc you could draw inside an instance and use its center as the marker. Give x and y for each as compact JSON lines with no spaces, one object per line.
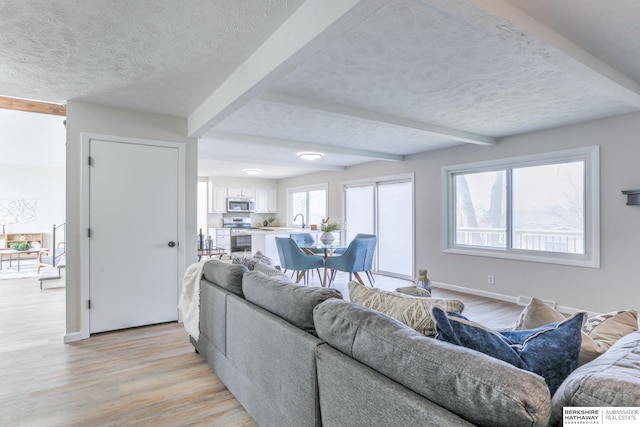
{"x":591,"y":157}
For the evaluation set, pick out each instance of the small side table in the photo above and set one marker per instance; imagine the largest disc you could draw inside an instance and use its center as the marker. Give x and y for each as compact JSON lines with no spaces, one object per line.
{"x":214,"y":251}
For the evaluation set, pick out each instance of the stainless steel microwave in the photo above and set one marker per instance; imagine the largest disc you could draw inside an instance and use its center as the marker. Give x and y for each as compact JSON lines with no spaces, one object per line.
{"x":235,"y":205}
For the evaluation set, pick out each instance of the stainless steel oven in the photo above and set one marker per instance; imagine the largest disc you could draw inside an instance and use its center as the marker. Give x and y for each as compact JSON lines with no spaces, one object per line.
{"x":240,"y":242}
{"x":239,"y":227}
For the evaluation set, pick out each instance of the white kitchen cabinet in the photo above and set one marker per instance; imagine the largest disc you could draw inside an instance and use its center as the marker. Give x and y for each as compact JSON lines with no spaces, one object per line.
{"x":218,"y":200}
{"x":272,"y":201}
{"x":266,"y":201}
{"x":241,"y":192}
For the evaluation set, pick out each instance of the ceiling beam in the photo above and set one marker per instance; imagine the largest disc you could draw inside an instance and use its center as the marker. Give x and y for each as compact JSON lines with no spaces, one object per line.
{"x":303,"y":146}
{"x":309,"y":30}
{"x":250,"y":162}
{"x":577,"y":61}
{"x":377,"y":118}
{"x":32,"y":106}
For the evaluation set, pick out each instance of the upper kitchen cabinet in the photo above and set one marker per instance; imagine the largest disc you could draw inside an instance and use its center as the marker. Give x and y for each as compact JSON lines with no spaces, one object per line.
{"x":241,"y":192}
{"x":262,"y":191}
{"x":266,"y":201}
{"x":218,"y":200}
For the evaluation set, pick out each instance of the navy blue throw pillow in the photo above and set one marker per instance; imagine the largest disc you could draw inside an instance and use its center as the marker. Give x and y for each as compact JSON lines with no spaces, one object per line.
{"x":550,"y":351}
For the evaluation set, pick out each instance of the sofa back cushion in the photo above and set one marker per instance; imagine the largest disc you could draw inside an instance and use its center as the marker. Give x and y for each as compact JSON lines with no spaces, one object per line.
{"x":289,"y":301}
{"x":227,"y":276}
{"x":613,"y":379}
{"x":479,"y":388}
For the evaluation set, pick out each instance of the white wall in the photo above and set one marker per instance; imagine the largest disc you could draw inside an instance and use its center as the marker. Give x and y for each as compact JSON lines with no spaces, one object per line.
{"x":613,"y":286}
{"x":90,"y":118}
{"x":32,"y":167}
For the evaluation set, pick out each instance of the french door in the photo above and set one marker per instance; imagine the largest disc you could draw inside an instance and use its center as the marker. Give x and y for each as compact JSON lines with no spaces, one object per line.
{"x":384,"y":207}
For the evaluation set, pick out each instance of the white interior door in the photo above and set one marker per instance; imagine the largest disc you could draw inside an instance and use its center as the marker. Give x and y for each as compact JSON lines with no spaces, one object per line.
{"x":133,"y":218}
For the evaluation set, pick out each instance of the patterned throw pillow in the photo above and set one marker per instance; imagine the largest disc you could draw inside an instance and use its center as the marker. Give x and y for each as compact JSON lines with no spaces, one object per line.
{"x":414,"y":312}
{"x":414,"y":291}
{"x":598,"y":333}
{"x":270,"y":271}
{"x":550,"y":351}
{"x":262,"y":258}
{"x":251,"y":262}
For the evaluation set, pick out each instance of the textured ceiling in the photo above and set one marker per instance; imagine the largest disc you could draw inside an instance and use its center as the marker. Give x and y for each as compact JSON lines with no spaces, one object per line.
{"x":476,"y":74}
{"x":449,"y":64}
{"x":380,"y":78}
{"x":163,"y":56}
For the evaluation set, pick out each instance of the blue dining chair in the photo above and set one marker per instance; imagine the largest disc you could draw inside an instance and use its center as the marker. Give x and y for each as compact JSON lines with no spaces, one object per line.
{"x":371,"y":250}
{"x":306,"y":241}
{"x":352,"y":261}
{"x":294,"y":258}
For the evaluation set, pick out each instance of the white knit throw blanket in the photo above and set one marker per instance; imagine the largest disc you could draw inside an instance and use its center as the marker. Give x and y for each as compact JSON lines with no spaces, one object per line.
{"x":189,"y":303}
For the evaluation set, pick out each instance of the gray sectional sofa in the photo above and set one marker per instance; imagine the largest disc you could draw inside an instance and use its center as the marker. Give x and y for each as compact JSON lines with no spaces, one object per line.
{"x":298,"y":356}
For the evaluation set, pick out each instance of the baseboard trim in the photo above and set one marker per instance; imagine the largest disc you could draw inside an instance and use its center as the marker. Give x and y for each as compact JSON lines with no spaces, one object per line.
{"x":72,"y":337}
{"x":471,"y":291}
{"x":502,"y":297}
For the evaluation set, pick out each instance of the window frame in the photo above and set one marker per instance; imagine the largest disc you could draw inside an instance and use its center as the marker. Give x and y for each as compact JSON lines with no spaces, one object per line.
{"x":591,"y":158}
{"x":306,"y":189}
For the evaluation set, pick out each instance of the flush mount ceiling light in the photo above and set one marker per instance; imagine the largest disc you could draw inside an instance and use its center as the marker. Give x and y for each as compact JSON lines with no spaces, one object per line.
{"x":310,"y":155}
{"x":252,"y":171}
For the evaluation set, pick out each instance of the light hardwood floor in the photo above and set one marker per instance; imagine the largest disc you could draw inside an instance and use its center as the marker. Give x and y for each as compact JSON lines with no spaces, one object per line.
{"x":143,"y":376}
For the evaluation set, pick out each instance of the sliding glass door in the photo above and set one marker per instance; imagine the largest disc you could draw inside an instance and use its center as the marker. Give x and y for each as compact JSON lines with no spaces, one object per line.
{"x":360,"y":211}
{"x":384,"y":207}
{"x":395,"y":228}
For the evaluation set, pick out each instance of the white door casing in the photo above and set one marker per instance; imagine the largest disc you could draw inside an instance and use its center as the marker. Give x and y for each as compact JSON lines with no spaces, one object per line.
{"x":133,"y":211}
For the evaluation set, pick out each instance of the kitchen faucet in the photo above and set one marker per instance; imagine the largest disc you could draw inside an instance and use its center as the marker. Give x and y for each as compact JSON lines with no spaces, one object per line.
{"x":296,"y":217}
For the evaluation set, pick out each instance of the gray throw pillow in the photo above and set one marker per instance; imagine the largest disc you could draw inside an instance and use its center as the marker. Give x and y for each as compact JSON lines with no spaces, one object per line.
{"x":260,"y":257}
{"x":271,"y":271}
{"x":293,"y":303}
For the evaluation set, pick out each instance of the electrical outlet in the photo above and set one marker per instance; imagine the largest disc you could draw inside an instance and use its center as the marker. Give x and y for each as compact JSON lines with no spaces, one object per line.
{"x":491,"y":279}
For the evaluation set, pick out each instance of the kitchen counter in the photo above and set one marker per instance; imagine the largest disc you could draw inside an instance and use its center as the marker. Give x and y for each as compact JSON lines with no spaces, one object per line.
{"x":264,"y":240}
{"x":279,"y":230}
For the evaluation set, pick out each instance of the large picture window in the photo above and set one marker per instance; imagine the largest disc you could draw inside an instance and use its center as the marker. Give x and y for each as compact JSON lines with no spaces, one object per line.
{"x":538,"y":208}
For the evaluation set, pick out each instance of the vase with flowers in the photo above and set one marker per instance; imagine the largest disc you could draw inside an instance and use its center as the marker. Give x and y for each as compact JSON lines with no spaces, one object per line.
{"x":328,"y":227}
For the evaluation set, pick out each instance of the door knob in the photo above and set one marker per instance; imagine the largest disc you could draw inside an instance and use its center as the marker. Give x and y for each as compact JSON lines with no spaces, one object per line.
{"x":172,"y":244}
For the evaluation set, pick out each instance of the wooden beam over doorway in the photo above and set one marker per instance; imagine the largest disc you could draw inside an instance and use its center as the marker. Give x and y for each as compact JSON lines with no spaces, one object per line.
{"x":32,"y":106}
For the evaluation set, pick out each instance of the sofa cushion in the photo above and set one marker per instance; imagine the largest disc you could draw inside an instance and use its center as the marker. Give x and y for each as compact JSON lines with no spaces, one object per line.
{"x":550,"y":351}
{"x":479,"y":388}
{"x":599,"y":332}
{"x":414,"y":312}
{"x":613,"y":379}
{"x":289,"y":301}
{"x":227,"y":276}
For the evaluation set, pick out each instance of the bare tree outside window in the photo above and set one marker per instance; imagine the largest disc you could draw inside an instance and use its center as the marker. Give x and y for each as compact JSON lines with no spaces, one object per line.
{"x":481,"y":209}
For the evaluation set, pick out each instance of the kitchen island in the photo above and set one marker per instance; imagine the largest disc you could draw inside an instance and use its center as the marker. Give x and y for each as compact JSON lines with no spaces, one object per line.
{"x":264,"y":240}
